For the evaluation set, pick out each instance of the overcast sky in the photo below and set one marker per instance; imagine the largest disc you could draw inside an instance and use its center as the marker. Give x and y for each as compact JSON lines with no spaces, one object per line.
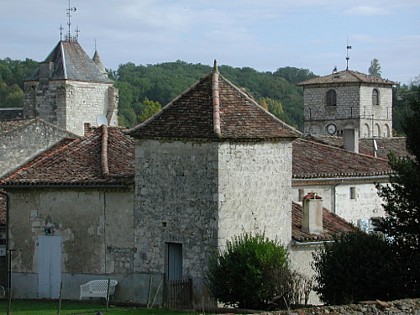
{"x":261,"y":34}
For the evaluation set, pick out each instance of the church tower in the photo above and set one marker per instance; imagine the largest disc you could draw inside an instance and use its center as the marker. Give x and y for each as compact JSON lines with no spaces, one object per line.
{"x":348,"y":100}
{"x":70,"y":89}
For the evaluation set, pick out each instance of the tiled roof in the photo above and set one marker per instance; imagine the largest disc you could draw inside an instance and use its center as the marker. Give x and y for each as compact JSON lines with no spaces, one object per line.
{"x":332,"y":225}
{"x":105,"y":156}
{"x":7,"y":126}
{"x":315,"y":160}
{"x":214,"y":108}
{"x":2,"y":208}
{"x":397,"y":145}
{"x":70,"y":62}
{"x":346,"y":76}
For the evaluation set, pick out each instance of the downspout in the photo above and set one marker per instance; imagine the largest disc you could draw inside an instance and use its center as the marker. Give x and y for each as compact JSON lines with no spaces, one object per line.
{"x":334,"y":203}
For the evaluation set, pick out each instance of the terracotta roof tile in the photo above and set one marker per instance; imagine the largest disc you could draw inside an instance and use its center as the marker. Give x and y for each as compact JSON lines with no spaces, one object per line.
{"x":7,"y":126}
{"x":346,"y":76}
{"x":197,"y":114}
{"x":332,"y":225}
{"x":315,"y":160}
{"x":81,"y":162}
{"x":397,"y":145}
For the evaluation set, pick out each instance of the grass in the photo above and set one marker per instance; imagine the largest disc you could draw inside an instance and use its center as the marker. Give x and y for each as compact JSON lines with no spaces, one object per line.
{"x":47,"y":307}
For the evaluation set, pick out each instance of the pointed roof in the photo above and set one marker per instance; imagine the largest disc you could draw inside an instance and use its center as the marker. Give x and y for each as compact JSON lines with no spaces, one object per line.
{"x":70,"y":62}
{"x":347,"y":76}
{"x":214,"y":108}
{"x":97,"y":60}
{"x":104,"y":157}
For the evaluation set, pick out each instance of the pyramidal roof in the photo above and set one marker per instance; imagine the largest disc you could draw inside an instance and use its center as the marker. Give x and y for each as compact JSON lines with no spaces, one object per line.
{"x":347,"y":76}
{"x":214,"y":108}
{"x":70,"y":62}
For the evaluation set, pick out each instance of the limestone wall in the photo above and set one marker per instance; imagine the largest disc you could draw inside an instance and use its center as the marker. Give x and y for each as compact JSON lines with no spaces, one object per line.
{"x":70,"y":104}
{"x":19,"y":146}
{"x":255,"y":190}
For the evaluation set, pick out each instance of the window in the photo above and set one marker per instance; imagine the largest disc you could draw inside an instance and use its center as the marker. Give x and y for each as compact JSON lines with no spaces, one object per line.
{"x":375,"y":97}
{"x":352,"y":192}
{"x":331,"y":98}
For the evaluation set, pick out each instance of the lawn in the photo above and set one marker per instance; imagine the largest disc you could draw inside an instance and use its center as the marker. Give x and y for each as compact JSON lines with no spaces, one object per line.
{"x":42,"y":307}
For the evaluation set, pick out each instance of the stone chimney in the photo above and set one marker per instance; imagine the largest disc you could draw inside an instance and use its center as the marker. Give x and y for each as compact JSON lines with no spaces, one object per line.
{"x":312,"y":214}
{"x":351,"y":140}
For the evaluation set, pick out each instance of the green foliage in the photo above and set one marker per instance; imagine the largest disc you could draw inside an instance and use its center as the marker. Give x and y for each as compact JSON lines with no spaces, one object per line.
{"x":250,"y":272}
{"x":149,"y":108}
{"x":402,"y":201}
{"x":375,"y":68}
{"x":356,"y":266}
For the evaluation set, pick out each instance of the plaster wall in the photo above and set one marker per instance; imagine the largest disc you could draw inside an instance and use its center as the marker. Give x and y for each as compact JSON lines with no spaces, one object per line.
{"x":88,"y":221}
{"x":337,"y":199}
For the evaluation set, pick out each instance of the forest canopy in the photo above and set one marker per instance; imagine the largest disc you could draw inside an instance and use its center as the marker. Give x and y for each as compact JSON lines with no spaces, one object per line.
{"x":145,"y":89}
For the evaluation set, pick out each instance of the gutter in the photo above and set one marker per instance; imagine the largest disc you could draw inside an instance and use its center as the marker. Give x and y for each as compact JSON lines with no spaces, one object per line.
{"x":309,"y":244}
{"x":341,"y":179}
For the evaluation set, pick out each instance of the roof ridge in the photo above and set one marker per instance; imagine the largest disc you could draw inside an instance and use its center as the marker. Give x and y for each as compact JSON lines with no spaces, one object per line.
{"x":104,"y":151}
{"x":216,"y":100}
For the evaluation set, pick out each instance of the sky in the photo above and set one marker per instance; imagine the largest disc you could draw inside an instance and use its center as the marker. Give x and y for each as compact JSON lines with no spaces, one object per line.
{"x":261,"y":34}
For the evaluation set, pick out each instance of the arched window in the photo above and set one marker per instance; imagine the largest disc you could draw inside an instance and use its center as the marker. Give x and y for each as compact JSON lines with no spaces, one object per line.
{"x":375,"y":97}
{"x":331,"y":98}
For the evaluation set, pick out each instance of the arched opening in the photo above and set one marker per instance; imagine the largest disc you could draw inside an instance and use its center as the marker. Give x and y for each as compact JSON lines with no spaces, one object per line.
{"x":331,"y":98}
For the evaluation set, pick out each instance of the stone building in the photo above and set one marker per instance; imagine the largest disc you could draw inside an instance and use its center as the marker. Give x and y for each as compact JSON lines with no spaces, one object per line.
{"x":71,"y":216}
{"x":69,"y":89}
{"x":211,"y":165}
{"x":23,"y":139}
{"x":348,"y":100}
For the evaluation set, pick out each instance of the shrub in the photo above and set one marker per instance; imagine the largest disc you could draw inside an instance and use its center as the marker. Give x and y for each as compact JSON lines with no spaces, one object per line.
{"x":355,"y":267}
{"x":250,"y":273}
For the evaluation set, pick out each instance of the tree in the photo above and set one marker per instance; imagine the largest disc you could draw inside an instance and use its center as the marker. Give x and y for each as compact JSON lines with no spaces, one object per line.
{"x":402,"y":200}
{"x":375,"y":68}
{"x":356,"y":266}
{"x":149,"y":108}
{"x":250,"y":272}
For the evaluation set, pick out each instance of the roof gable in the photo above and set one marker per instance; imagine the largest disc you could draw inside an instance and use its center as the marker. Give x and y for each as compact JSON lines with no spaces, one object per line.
{"x":346,"y":76}
{"x":68,"y":61}
{"x":103,"y":157}
{"x":214,"y":108}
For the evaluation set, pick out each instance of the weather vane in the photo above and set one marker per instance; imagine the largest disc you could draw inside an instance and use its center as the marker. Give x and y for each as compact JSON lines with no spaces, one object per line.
{"x":70,"y":9}
{"x":348,"y":57}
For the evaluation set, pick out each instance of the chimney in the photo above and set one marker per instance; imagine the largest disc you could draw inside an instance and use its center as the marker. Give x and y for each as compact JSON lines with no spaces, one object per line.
{"x":312,"y":214}
{"x":87,"y":128}
{"x":351,"y":140}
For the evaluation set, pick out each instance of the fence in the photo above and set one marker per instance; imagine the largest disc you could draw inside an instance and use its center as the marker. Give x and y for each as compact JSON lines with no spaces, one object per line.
{"x":179,"y":294}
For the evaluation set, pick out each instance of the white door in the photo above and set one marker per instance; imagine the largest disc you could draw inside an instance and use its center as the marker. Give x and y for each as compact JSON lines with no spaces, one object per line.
{"x":49,"y":266}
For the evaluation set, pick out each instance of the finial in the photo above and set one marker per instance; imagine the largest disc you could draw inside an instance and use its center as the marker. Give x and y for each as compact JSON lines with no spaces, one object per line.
{"x":70,"y":9}
{"x":215,"y":68}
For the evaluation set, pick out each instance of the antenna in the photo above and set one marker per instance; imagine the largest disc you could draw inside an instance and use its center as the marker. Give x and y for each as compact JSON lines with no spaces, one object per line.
{"x":347,"y":57}
{"x":61,"y":28}
{"x":70,"y":9}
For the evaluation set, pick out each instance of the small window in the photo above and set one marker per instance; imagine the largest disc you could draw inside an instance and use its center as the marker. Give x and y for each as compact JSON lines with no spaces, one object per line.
{"x":331,"y":98}
{"x":352,"y":192}
{"x":375,"y":97}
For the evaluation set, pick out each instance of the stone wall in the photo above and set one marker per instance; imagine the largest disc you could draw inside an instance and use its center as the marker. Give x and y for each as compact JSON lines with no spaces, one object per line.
{"x":22,"y":144}
{"x":354,"y":110}
{"x":398,"y":307}
{"x":201,"y":194}
{"x":91,"y":241}
{"x":71,"y":104}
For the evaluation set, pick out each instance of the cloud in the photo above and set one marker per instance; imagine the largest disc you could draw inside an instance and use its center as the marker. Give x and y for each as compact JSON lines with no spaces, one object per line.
{"x":368,"y":10}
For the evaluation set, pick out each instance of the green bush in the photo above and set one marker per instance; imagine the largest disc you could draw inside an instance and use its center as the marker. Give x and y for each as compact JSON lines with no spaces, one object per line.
{"x":356,"y":267}
{"x":250,"y":272}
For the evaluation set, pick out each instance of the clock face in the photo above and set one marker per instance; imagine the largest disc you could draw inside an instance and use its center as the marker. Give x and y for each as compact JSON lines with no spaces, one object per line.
{"x":331,"y":129}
